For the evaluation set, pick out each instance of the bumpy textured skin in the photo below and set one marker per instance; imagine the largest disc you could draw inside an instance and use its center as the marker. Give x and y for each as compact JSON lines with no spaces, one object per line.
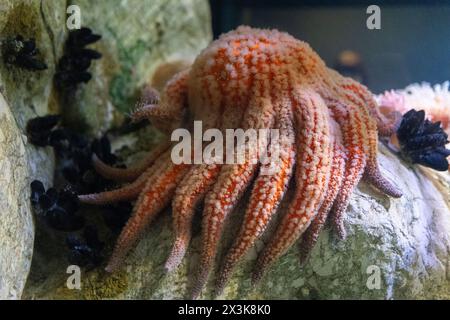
{"x":251,"y":79}
{"x":309,"y":238}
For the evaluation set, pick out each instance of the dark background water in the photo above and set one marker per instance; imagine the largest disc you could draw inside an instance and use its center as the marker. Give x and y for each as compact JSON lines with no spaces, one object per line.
{"x":413,"y":44}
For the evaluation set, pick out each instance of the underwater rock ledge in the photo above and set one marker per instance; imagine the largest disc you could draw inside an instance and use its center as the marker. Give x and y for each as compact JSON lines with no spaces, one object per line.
{"x":24,"y":94}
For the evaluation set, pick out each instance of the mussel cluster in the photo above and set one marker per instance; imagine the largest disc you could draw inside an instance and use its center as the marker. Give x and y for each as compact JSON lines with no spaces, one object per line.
{"x":423,"y":141}
{"x":59,"y":209}
{"x":74,"y":64}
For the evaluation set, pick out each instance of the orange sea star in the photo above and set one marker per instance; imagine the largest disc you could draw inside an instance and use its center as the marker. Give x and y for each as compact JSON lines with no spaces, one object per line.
{"x":255,"y":79}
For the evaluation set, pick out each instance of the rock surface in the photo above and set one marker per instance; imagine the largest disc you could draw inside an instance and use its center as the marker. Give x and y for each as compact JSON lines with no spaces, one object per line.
{"x":16,"y":228}
{"x":160,"y":32}
{"x":395,"y":249}
{"x":24,"y":95}
{"x":137,"y":37}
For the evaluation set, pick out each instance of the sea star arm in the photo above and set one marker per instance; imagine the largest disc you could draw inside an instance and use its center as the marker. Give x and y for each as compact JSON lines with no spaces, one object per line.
{"x":130,"y":191}
{"x":384,"y":126}
{"x":354,"y":132}
{"x":149,"y":95}
{"x":230,"y":185}
{"x":170,"y":110}
{"x":369,"y":112}
{"x":311,"y":234}
{"x":155,"y":196}
{"x":126,"y":193}
{"x":191,"y":191}
{"x":148,"y":111}
{"x":313,"y":169}
{"x":376,"y":124}
{"x":128,"y":174}
{"x":372,"y":171}
{"x":268,"y":190}
{"x":373,"y":175}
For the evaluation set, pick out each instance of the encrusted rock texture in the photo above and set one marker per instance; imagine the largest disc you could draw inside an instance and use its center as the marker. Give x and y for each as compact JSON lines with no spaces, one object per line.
{"x":136,"y":39}
{"x":24,"y":95}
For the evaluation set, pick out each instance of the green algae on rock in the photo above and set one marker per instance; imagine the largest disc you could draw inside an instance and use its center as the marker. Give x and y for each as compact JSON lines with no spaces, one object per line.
{"x":159,"y":31}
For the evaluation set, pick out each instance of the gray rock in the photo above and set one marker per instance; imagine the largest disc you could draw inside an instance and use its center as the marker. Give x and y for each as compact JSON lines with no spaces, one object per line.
{"x":18,"y":167}
{"x":24,"y":95}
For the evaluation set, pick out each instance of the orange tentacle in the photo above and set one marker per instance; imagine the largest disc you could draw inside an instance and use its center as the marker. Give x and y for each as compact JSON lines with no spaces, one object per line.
{"x":169,"y":112}
{"x":354,"y":132}
{"x":266,"y":195}
{"x":376,"y":124}
{"x":311,"y":234}
{"x":130,"y":191}
{"x":232,"y":181}
{"x":128,"y":174}
{"x":311,"y":176}
{"x":155,"y":196}
{"x":192,"y":189}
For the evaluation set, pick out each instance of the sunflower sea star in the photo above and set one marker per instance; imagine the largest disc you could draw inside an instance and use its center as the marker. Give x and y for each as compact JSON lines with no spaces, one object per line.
{"x":253,"y":78}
